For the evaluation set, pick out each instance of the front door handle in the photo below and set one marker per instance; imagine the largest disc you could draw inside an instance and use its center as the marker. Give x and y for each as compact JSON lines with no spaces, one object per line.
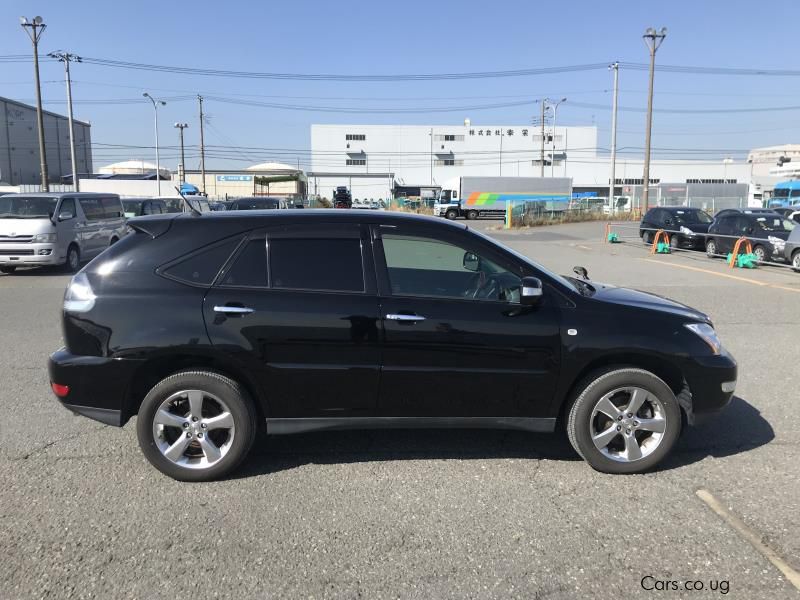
{"x":233,"y":310}
{"x":409,"y":318}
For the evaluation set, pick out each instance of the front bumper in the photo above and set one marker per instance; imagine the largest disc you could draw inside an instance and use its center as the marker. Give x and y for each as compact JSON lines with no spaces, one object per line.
{"x":30,"y":254}
{"x":98,"y":386}
{"x":712,"y":382}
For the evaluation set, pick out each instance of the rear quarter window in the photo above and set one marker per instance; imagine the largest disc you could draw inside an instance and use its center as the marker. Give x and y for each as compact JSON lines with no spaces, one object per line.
{"x":201,"y":266}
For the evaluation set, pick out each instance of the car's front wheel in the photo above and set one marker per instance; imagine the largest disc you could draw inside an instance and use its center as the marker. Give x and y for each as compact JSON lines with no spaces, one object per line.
{"x":711,"y":249}
{"x":451,"y":215}
{"x":624,"y":421}
{"x":796,"y":260}
{"x":196,"y":425}
{"x":760,"y":253}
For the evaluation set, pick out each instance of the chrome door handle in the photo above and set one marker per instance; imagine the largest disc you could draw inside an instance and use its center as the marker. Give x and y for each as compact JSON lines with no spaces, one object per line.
{"x":233,"y":310}
{"x":396,"y":317}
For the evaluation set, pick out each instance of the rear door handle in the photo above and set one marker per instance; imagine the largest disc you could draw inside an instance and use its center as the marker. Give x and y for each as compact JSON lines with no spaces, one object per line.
{"x":234,"y":310}
{"x":410,"y":318}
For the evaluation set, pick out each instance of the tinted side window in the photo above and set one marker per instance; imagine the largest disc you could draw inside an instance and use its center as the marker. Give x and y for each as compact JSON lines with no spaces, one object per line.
{"x":250,"y":268}
{"x":201,"y":267}
{"x":317,"y":264}
{"x":67,"y":208}
{"x":92,"y":208}
{"x":112,"y":207}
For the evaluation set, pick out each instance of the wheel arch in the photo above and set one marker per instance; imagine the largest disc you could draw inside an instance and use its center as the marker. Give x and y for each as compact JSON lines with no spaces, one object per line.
{"x":659,"y":366}
{"x":155,"y":369}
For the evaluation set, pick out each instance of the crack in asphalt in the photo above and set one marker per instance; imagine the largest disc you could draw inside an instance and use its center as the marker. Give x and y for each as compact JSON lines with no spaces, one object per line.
{"x":52,"y":443}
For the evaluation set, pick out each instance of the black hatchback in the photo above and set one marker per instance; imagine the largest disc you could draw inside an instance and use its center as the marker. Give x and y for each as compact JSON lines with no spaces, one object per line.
{"x":211,"y":326}
{"x":686,"y":226}
{"x":766,"y":230}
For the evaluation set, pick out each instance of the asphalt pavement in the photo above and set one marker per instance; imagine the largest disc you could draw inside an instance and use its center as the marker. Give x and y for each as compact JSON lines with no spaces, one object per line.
{"x":415,"y":514}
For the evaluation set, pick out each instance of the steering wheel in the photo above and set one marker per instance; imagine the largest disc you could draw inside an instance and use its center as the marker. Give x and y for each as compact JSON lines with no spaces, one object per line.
{"x":483,"y":286}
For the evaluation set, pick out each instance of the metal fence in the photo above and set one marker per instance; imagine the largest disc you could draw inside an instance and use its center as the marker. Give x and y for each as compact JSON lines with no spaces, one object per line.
{"x":35,"y":188}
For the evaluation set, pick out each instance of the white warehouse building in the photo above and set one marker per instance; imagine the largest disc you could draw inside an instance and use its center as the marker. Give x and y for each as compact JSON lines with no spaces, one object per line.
{"x":372,"y":159}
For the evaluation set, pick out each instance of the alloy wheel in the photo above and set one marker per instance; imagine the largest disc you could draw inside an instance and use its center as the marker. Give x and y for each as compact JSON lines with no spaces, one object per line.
{"x":628,"y":424}
{"x":193,"y":429}
{"x":796,"y":260}
{"x":761,"y":255}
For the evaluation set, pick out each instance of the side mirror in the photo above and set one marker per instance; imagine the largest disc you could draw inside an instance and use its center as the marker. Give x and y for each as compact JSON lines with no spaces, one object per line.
{"x":65,"y":216}
{"x":531,"y":291}
{"x":471,"y":261}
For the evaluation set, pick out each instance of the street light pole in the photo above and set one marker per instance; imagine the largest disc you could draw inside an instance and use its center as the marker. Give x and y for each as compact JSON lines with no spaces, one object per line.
{"x":66,"y":58}
{"x":652,"y":39}
{"x":158,"y":155}
{"x":613,"y":179}
{"x":541,"y":154}
{"x":553,"y":156}
{"x":182,"y":170}
{"x":37,"y":27}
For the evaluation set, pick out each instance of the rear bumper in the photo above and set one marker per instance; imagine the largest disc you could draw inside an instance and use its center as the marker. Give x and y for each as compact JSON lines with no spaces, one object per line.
{"x":98,"y":386}
{"x":712,"y":382}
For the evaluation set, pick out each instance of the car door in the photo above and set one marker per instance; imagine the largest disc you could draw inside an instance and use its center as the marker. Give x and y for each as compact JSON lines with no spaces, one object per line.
{"x":456,"y":341}
{"x":725,"y":229}
{"x":298,"y":306}
{"x":90,"y":226}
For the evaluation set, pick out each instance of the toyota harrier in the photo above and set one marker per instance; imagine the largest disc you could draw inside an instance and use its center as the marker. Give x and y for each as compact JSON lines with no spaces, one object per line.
{"x":210,"y":327}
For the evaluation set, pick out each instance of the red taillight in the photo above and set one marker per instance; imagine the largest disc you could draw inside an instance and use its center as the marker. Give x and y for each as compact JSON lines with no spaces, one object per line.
{"x":60,"y":390}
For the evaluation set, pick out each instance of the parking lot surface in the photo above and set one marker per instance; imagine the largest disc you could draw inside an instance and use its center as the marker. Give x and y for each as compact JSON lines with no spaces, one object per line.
{"x":426,"y":514}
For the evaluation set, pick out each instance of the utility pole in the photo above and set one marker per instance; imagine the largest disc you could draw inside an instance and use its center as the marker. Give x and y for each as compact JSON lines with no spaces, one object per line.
{"x":37,"y":27}
{"x":431,"y":134}
{"x":158,"y":154}
{"x":613,"y":180}
{"x":652,"y":39}
{"x":202,"y":147}
{"x":553,"y":156}
{"x":66,"y":58}
{"x":182,"y":169}
{"x":541,"y":154}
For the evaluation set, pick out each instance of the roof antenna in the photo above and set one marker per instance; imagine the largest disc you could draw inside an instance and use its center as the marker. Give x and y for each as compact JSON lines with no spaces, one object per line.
{"x":189,"y":204}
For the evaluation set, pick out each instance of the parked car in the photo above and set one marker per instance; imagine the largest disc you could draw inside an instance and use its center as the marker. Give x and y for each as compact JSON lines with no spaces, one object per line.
{"x":258,"y":203}
{"x":417,"y":322}
{"x":789,"y":212}
{"x":766,"y":230}
{"x":791,"y":252}
{"x":217,"y":206}
{"x":57,"y":228}
{"x":686,"y":226}
{"x":136,"y":207}
{"x":175,"y":204}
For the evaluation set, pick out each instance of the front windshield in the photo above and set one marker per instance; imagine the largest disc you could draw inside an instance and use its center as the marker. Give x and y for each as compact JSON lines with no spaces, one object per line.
{"x":566,"y":282}
{"x":27,"y":207}
{"x":776,"y":223}
{"x":692,"y":217}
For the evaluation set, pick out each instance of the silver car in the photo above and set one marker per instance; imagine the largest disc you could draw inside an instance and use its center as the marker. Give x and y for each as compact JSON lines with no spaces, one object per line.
{"x":57,"y":228}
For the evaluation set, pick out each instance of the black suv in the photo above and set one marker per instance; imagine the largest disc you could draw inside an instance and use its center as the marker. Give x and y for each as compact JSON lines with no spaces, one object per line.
{"x":766,"y":230}
{"x":207,"y":326}
{"x":686,"y":226}
{"x":257,"y":203}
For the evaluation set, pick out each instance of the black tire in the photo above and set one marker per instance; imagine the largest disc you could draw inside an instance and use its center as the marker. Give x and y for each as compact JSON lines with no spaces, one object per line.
{"x":592,"y":390}
{"x":73,"y":262}
{"x":647,"y":237}
{"x":238,"y":403}
{"x":761,"y":253}
{"x":796,"y":261}
{"x":451,"y":215}
{"x":8,"y":269}
{"x":472,"y":215}
{"x":674,"y":242}
{"x":711,"y":248}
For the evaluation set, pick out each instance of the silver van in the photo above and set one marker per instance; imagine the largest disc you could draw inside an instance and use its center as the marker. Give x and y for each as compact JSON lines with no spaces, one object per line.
{"x":57,"y":228}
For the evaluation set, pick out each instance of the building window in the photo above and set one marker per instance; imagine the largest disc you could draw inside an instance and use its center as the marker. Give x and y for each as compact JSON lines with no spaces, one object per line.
{"x":449,"y":137}
{"x":448,"y":162}
{"x":711,"y":181}
{"x":355,"y":162}
{"x":355,"y":137}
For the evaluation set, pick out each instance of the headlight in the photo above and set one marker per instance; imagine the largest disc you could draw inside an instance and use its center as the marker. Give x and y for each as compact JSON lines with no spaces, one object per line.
{"x":708,"y":335}
{"x":80,"y":296}
{"x":44,"y":238}
{"x":777,"y":242}
{"x":686,"y":230}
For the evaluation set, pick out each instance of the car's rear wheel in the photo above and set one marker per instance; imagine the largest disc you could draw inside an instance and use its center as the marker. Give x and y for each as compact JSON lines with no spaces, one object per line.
{"x":472,"y":215}
{"x":8,"y":269}
{"x":624,"y":421}
{"x":196,"y":425}
{"x":711,"y":248}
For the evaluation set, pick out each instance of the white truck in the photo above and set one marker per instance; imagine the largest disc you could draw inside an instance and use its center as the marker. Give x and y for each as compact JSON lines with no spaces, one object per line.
{"x":474,"y":197}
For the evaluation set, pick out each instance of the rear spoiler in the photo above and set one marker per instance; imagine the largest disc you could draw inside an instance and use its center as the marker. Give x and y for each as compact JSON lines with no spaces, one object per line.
{"x":152,"y":226}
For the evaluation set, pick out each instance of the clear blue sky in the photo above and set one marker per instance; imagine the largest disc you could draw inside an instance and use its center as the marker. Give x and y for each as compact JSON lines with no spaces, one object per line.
{"x":409,"y":36}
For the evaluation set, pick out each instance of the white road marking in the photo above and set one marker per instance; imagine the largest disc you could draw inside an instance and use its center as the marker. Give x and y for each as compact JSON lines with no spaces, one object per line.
{"x":743,"y":530}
